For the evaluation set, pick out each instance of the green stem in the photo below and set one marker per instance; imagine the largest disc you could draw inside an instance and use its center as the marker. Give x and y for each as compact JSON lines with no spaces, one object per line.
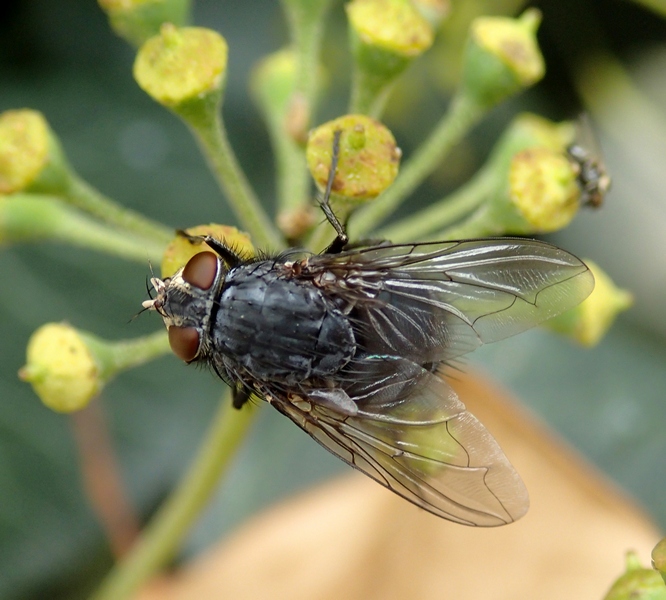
{"x":478,"y":224}
{"x":114,"y":357}
{"x":306,"y":21}
{"x":442,"y":213}
{"x":463,"y":113}
{"x":293,"y":181}
{"x":163,"y":536}
{"x":83,"y":196}
{"x":212,"y":136}
{"x":97,"y":237}
{"x":369,"y":93}
{"x":33,"y":217}
{"x":132,"y":353}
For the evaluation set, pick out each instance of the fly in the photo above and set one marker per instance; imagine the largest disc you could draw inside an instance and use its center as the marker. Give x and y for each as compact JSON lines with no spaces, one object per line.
{"x":591,"y":174}
{"x":352,"y":344}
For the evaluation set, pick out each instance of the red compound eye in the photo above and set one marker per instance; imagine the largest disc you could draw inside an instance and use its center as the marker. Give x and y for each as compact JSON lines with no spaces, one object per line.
{"x":184,"y":342}
{"x":201,"y":270}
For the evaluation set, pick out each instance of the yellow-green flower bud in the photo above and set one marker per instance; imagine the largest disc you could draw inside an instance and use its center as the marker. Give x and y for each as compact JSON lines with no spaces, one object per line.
{"x":61,"y":368}
{"x":137,"y":20}
{"x":588,"y":322}
{"x":637,"y":583}
{"x":529,"y":183}
{"x":180,"y":250}
{"x":385,"y":35}
{"x":391,"y":25}
{"x":183,"y":69}
{"x":501,"y":58}
{"x":528,"y":130}
{"x":536,"y":192}
{"x":543,"y":190}
{"x":433,"y":11}
{"x":659,"y":558}
{"x":368,"y":162}
{"x":30,"y":155}
{"x":67,"y":368}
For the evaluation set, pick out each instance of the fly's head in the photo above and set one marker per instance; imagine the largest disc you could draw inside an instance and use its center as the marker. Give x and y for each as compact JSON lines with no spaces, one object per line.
{"x":185,"y":302}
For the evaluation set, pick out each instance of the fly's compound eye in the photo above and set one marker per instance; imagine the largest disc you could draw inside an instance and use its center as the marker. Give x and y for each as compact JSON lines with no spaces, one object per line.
{"x":201,"y":270}
{"x":184,"y":342}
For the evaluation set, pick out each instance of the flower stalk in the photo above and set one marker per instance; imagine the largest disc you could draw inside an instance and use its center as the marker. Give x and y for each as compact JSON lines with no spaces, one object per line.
{"x":185,"y":70}
{"x":34,"y":217}
{"x":161,"y":539}
{"x":32,"y":160}
{"x":461,"y":116}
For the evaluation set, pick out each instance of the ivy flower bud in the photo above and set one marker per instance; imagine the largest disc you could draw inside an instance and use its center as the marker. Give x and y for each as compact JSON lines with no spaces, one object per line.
{"x":137,"y":20}
{"x":543,"y":190}
{"x":31,"y":158}
{"x":385,"y":35}
{"x":588,"y":322}
{"x":61,"y":368}
{"x":501,"y":58}
{"x":180,"y":250}
{"x":183,"y":69}
{"x":530,"y":183}
{"x":368,"y":160}
{"x":637,"y":583}
{"x":659,"y":558}
{"x":434,"y":11}
{"x":528,"y":130}
{"x":393,"y":26}
{"x":67,"y":368}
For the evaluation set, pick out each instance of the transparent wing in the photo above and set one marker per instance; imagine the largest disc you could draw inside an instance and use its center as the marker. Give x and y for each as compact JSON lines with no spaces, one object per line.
{"x":422,"y":444}
{"x":437,"y":301}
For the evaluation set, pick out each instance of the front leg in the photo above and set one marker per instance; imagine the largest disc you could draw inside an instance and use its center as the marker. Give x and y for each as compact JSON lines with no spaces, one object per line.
{"x":228,"y":256}
{"x":341,"y":239}
{"x":239,"y":396}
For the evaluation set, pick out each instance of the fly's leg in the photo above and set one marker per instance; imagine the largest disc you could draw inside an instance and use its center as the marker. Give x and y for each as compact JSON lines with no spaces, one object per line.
{"x":228,"y":256}
{"x":341,"y":238}
{"x":239,"y":396}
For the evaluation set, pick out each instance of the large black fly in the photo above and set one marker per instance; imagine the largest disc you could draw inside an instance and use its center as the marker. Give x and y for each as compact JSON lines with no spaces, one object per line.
{"x":351,"y":345}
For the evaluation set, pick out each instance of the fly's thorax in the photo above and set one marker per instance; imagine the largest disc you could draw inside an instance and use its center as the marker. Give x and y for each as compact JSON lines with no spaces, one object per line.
{"x":186,"y":302}
{"x":278,"y":326}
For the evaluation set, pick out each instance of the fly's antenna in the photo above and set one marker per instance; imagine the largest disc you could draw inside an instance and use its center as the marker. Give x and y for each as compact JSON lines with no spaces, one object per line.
{"x":149,"y":291}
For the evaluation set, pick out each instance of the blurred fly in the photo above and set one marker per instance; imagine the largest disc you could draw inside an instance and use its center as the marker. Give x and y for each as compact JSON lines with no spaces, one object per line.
{"x":352,"y":344}
{"x":591,"y":174}
{"x":592,"y":178}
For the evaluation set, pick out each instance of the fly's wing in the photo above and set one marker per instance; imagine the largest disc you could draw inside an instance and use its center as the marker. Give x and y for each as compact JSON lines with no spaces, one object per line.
{"x":413,"y":307}
{"x":419,"y":441}
{"x":437,"y":301}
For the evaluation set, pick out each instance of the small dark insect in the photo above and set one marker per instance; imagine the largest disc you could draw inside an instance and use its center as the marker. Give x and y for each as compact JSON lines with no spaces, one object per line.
{"x":585,"y":156}
{"x":351,"y":345}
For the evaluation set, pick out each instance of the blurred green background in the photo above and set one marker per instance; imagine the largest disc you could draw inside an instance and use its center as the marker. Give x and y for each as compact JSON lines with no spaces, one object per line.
{"x":62,"y":59}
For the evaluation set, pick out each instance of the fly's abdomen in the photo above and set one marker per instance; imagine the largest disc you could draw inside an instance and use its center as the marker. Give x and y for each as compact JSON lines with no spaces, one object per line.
{"x":278,"y":328}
